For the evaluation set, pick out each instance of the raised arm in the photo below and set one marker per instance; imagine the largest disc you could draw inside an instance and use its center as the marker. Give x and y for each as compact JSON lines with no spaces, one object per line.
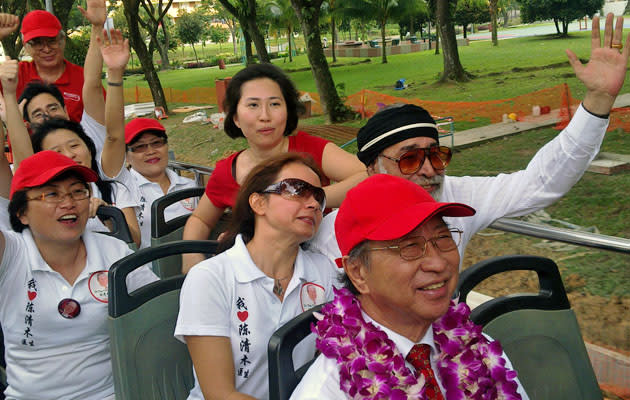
{"x":5,"y":169}
{"x":21,"y":145}
{"x":8,"y":24}
{"x":93,"y":101}
{"x":343,"y":168}
{"x":116,"y":56}
{"x":605,"y":72}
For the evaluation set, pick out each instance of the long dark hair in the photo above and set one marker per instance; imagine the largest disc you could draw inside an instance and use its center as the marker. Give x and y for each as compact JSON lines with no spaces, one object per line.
{"x":53,"y":124}
{"x":264,"y":174}
{"x":259,"y":71}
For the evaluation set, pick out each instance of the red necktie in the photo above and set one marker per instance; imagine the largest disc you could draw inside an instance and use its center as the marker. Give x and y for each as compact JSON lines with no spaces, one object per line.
{"x":419,"y":358}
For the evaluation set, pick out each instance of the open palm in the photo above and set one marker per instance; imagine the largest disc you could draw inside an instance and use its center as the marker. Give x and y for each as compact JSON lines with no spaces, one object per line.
{"x":115,"y":51}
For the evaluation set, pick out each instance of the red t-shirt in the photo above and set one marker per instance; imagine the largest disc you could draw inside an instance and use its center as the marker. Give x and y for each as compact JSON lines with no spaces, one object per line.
{"x":222,"y":187}
{"x":70,"y":84}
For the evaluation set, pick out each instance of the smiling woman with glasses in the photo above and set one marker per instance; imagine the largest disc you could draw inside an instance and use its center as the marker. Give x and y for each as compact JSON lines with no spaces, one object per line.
{"x":147,"y":153}
{"x":53,"y":316}
{"x":232,"y":303}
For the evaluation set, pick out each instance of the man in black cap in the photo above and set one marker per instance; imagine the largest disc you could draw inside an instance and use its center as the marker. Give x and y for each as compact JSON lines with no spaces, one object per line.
{"x":403,"y":141}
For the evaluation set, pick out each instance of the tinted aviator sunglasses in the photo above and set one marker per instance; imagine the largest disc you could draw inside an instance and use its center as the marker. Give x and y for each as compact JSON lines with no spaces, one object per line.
{"x":297,"y":189}
{"x":410,"y":162}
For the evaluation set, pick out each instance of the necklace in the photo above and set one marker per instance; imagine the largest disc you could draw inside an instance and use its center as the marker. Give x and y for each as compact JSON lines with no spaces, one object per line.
{"x":371,"y":367}
{"x":277,"y":286}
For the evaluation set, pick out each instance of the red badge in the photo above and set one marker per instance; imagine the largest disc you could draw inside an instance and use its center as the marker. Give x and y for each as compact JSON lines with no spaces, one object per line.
{"x":69,"y":308}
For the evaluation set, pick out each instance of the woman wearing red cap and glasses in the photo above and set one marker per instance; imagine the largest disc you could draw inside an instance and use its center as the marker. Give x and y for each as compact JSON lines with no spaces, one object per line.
{"x":263,"y":107}
{"x":232,"y":303}
{"x":52,"y":307}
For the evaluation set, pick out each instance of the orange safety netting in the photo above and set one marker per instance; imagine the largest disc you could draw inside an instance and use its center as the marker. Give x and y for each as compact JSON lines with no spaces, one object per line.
{"x":367,"y":102}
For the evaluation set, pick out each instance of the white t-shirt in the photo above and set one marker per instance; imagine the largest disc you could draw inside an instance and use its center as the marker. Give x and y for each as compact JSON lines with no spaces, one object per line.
{"x":321,"y":381}
{"x":555,"y":168}
{"x":151,"y":191}
{"x":48,"y":356}
{"x":227,"y":295}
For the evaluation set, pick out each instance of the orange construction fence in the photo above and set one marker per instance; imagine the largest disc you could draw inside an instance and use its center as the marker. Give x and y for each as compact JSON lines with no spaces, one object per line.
{"x":367,"y":102}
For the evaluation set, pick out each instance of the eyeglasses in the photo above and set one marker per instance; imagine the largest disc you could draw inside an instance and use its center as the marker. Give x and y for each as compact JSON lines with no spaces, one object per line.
{"x":415,"y":247}
{"x":141,"y":148}
{"x":40,"y":42}
{"x":51,"y":109}
{"x":410,"y":162}
{"x":53,"y":196}
{"x":297,"y":189}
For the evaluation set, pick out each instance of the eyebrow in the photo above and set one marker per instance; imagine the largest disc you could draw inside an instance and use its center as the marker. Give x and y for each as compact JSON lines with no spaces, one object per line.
{"x":268,"y":98}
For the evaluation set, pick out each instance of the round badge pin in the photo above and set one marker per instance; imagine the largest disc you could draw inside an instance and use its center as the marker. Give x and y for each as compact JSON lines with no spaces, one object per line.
{"x":311,"y":295}
{"x":69,"y":308}
{"x":98,"y":285}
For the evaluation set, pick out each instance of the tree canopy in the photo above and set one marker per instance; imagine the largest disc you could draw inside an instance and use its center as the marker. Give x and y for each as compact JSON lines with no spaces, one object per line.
{"x":561,"y":11}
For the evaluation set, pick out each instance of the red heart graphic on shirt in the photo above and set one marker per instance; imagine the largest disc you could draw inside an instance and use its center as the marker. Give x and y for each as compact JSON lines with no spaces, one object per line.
{"x":242,"y":315}
{"x":31,"y":295}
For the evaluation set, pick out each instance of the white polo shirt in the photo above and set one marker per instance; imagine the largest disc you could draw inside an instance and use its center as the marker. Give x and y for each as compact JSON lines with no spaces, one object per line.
{"x":228,"y":295}
{"x":95,"y":130}
{"x":48,"y":356}
{"x":151,"y":191}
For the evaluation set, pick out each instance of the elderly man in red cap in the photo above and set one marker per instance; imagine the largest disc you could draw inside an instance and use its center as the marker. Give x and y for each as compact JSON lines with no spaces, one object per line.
{"x":393,"y":332}
{"x":45,"y":42}
{"x":403,"y":141}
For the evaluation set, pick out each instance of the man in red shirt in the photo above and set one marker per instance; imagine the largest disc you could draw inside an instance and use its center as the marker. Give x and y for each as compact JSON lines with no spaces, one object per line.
{"x":45,"y":41}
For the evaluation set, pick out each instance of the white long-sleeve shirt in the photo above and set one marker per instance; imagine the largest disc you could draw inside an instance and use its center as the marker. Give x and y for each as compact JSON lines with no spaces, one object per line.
{"x":555,"y":168}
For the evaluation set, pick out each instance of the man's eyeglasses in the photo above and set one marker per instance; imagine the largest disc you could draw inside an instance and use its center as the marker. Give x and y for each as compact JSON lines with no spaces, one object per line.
{"x":154,"y":144}
{"x":51,"y":110}
{"x":53,"y":196}
{"x":413,"y":248}
{"x":41,"y":42}
{"x":410,"y":162}
{"x":297,"y":189}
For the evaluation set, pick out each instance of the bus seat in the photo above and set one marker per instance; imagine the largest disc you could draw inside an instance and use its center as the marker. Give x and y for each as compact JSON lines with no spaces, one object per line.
{"x":147,"y":361}
{"x":538,"y":331}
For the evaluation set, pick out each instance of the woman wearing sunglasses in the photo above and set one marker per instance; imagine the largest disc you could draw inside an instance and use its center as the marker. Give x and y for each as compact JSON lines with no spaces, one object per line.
{"x":53,"y":309}
{"x":263,"y":107}
{"x":232,"y":303}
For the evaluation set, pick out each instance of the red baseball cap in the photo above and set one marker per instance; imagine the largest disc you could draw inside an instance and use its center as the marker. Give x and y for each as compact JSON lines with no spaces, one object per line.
{"x":387,"y":207}
{"x":44,"y":166}
{"x":39,"y":23}
{"x":140,"y":125}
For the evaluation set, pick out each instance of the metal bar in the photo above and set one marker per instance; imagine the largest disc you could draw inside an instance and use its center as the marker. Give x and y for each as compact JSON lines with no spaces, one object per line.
{"x":198,"y":170}
{"x":587,"y":239}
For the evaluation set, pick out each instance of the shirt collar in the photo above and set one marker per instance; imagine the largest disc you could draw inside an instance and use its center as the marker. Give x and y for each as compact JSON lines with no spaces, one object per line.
{"x":403,"y":344}
{"x":247,"y":271}
{"x":173,"y":178}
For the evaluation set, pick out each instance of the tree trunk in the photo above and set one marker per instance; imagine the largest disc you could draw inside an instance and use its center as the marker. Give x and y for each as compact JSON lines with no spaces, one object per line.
{"x":195,"y":51}
{"x":384,"y":57}
{"x":334,"y":109}
{"x":254,"y":32}
{"x":412,"y":26}
{"x":437,"y":40}
{"x":163,"y":48}
{"x":565,"y":28}
{"x":137,"y":42}
{"x":290,"y":46}
{"x":334,"y":38}
{"x":555,"y":21}
{"x":493,"y":18}
{"x":465,"y":27}
{"x":453,"y":69}
{"x":249,"y":56}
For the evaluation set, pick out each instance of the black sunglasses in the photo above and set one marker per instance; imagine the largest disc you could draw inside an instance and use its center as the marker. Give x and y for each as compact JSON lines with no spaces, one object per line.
{"x":294,"y":189}
{"x":410,"y":162}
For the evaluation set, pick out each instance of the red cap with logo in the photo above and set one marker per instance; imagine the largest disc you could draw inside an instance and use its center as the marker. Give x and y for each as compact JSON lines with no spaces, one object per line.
{"x":387,"y":207}
{"x":138,"y":126}
{"x":39,"y":23}
{"x":42,"y":167}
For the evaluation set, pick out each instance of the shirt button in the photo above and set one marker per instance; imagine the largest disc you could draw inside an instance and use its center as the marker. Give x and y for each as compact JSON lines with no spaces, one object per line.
{"x":64,"y":288}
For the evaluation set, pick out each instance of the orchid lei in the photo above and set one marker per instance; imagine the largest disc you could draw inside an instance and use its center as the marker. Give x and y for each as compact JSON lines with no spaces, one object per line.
{"x":371,"y":367}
